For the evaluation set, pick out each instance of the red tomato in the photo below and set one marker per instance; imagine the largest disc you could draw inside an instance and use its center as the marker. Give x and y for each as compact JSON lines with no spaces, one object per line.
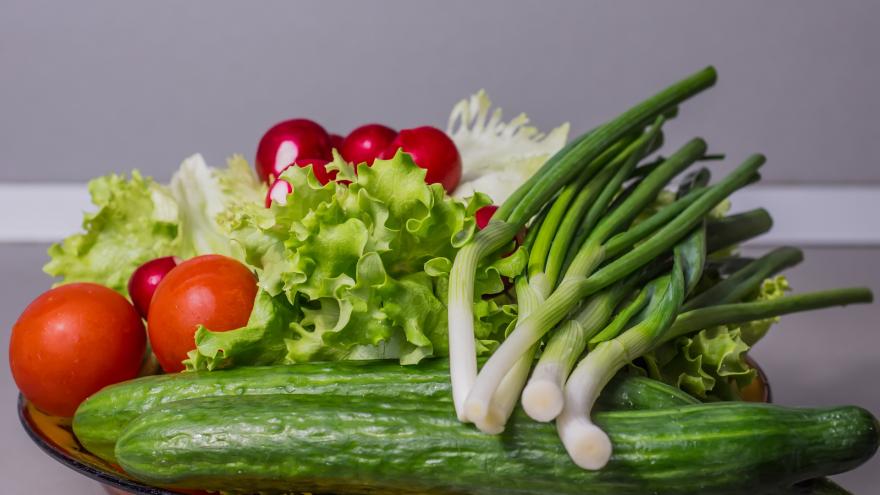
{"x":431,"y":149}
{"x":287,"y":142}
{"x":366,"y":143}
{"x":72,"y":341}
{"x":211,"y":290}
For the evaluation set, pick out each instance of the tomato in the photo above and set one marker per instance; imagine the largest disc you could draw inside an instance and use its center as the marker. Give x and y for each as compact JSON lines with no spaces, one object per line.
{"x":72,"y":341}
{"x":366,"y":143}
{"x":431,"y":149}
{"x":287,"y":142}
{"x":210,"y":290}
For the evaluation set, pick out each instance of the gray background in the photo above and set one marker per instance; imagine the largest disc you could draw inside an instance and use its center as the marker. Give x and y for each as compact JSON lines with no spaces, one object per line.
{"x":92,"y":87}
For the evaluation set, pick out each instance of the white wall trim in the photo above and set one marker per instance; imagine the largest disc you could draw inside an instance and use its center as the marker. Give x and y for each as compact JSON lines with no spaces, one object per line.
{"x":811,"y":215}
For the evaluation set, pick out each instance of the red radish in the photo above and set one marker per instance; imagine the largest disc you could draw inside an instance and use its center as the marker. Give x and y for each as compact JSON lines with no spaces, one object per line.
{"x":288,"y":142}
{"x":431,"y":149}
{"x":145,"y":279}
{"x":319,"y":168}
{"x":484,"y":214}
{"x":336,"y":142}
{"x":278,"y":192}
{"x":366,"y":143}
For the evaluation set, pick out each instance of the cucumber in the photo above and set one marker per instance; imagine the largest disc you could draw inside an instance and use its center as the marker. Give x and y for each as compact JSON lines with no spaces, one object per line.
{"x":101,"y":418}
{"x":359,"y":445}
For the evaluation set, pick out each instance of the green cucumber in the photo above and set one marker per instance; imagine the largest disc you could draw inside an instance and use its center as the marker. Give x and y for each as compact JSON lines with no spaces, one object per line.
{"x":359,"y":445}
{"x":101,"y":418}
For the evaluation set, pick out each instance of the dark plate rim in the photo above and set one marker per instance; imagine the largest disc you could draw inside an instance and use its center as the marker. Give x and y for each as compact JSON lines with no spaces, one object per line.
{"x":60,"y":455}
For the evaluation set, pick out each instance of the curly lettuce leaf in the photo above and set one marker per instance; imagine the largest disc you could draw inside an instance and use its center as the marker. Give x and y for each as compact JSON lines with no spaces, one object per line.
{"x":711,"y":364}
{"x":359,"y":269}
{"x":138,"y":219}
{"x":497,"y":156}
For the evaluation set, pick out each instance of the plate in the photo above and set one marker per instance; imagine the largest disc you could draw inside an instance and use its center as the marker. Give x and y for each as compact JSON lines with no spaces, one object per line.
{"x":55,"y":437}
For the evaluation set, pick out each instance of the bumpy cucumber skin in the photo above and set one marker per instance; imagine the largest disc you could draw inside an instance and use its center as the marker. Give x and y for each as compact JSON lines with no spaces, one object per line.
{"x":364,"y":446}
{"x":101,"y":418}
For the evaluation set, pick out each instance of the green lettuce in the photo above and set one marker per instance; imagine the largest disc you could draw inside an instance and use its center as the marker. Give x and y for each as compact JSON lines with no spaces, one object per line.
{"x":355,"y":271}
{"x":138,"y":219}
{"x":711,"y":364}
{"x":497,"y":156}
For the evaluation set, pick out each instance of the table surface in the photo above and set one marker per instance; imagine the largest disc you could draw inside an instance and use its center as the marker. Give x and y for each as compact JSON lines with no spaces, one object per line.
{"x":822,"y":358}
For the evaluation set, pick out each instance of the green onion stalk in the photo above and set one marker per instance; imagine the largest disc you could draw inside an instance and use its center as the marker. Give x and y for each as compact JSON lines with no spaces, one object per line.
{"x":544,"y":390}
{"x":576,"y":286}
{"x":587,"y":445}
{"x":577,"y":160}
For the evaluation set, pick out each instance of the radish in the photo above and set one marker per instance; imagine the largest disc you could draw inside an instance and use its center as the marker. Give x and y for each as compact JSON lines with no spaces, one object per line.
{"x":336,"y":141}
{"x":366,"y":143}
{"x":431,"y":149}
{"x":288,"y":142}
{"x":319,"y":168}
{"x":278,"y":192}
{"x":146,"y":278}
{"x":484,"y":214}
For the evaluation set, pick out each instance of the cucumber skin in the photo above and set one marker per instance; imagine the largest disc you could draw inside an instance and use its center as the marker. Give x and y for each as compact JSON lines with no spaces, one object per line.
{"x":368,"y":446}
{"x":100,"y":420}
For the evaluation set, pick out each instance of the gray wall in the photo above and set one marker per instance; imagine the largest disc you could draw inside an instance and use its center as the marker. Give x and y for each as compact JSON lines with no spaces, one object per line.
{"x":96,"y":86}
{"x":91,"y":87}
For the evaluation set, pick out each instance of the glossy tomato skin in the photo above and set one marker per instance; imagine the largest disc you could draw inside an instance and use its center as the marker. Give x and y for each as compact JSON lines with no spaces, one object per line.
{"x":289,"y":141}
{"x":72,"y":341}
{"x":366,"y":143}
{"x":210,"y":290}
{"x":431,"y":149}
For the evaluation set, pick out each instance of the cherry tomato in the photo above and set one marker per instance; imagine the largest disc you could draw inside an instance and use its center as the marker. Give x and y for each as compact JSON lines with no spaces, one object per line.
{"x":287,"y":142}
{"x":210,"y":290}
{"x":72,"y":341}
{"x":431,"y":149}
{"x":145,"y":279}
{"x":336,"y":141}
{"x":366,"y":143}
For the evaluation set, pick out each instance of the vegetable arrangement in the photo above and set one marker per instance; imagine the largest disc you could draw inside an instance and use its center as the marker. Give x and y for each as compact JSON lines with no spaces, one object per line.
{"x":329,"y":321}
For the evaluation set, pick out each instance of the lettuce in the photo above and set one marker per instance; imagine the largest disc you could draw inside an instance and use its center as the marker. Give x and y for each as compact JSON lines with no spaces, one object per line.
{"x":711,"y":364}
{"x":138,"y":219}
{"x":497,"y":157}
{"x":355,"y":271}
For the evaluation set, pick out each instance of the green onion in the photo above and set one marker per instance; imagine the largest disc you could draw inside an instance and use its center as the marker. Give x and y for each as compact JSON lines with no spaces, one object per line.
{"x":746,"y":280}
{"x":575,"y":159}
{"x":575,"y":288}
{"x":729,"y":314}
{"x":587,"y":445}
